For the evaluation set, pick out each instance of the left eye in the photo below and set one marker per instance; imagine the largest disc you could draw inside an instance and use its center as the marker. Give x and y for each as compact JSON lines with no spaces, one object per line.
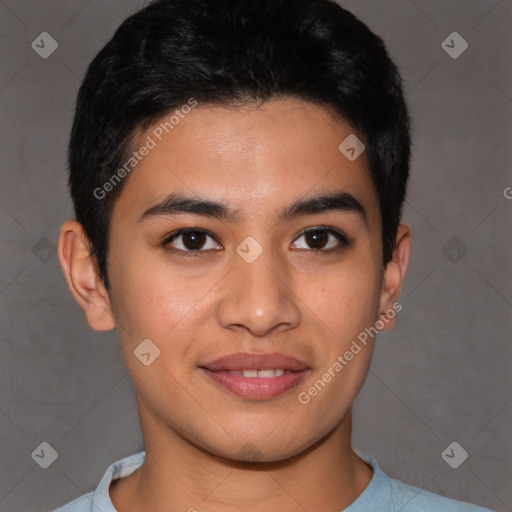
{"x":322,"y":239}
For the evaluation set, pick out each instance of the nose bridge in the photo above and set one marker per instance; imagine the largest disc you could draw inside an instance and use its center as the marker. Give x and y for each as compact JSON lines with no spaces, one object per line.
{"x":258,"y":296}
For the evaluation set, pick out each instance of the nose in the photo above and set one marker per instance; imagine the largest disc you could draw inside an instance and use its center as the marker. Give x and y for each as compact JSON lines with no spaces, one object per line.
{"x":259,"y":297}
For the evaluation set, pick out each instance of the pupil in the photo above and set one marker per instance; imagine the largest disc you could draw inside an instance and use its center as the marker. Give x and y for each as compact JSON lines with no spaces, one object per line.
{"x":316,"y":239}
{"x":193,"y":240}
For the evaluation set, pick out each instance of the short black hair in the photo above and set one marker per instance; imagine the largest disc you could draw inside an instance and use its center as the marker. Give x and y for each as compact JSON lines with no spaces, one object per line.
{"x":231,"y":52}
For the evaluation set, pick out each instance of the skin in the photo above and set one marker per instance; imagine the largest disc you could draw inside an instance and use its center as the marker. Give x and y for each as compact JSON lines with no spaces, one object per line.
{"x":292,"y":299}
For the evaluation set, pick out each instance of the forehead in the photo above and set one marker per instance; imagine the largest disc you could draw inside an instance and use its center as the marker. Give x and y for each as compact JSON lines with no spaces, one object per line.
{"x":250,"y":157}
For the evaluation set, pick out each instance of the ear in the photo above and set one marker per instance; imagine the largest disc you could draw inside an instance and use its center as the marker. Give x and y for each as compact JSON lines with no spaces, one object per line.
{"x":394,"y":274}
{"x":80,"y":271}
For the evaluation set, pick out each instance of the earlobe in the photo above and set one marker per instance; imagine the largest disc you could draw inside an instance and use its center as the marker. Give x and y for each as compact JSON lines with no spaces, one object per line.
{"x":81,"y":274}
{"x":394,"y":274}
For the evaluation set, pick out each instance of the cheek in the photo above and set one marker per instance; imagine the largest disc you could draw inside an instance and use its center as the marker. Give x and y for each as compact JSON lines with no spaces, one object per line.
{"x":347,"y":303}
{"x":149,"y":299}
{"x":345,"y":300}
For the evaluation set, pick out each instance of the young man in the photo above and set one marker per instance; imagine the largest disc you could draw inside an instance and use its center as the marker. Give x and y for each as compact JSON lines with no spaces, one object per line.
{"x":238,"y":170}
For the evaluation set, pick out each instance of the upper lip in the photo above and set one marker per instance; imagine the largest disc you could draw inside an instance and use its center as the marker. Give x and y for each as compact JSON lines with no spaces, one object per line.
{"x":254,"y":361}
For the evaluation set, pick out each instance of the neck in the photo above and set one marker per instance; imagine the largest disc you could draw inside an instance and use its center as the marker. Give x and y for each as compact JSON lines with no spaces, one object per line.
{"x":327,"y":476}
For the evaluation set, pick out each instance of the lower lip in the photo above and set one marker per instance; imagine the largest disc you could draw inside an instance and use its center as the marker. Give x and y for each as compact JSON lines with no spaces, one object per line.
{"x":256,"y":388}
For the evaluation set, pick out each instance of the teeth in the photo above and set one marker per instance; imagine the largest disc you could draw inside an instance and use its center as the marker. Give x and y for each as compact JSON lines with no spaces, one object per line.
{"x":263,"y":373}
{"x":266,"y":373}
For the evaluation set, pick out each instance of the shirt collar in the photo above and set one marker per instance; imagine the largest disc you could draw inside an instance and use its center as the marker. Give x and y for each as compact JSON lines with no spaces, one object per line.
{"x":101,"y":501}
{"x":376,"y":493}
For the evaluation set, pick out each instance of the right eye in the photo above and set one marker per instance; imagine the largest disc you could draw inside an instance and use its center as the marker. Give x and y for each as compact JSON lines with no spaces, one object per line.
{"x":191,"y":240}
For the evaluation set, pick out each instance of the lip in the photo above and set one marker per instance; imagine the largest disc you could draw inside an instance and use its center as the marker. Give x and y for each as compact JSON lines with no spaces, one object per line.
{"x":254,"y":361}
{"x":255,"y":388}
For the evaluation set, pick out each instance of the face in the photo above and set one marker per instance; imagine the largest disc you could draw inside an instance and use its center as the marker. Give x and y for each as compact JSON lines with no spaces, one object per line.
{"x":268,"y":269}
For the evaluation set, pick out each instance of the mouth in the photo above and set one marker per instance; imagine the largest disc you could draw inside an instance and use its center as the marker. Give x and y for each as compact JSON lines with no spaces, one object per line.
{"x":264,"y":374}
{"x":255,"y":376}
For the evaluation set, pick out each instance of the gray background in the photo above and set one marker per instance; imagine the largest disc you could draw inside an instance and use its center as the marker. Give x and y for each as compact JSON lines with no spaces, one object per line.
{"x":442,"y":375}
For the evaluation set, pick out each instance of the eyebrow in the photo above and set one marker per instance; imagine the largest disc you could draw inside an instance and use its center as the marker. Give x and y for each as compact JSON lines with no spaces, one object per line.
{"x":174,"y":204}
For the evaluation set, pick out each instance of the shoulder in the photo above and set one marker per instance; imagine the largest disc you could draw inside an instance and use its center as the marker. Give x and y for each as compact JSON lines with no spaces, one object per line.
{"x":409,"y":498}
{"x":81,"y":504}
{"x":99,"y":499}
{"x":392,"y":495}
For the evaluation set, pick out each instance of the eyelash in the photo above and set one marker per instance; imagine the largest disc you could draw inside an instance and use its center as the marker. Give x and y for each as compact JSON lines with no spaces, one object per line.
{"x":339,"y":235}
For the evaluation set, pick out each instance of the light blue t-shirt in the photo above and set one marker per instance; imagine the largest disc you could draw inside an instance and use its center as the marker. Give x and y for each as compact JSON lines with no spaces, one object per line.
{"x":383,"y":494}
